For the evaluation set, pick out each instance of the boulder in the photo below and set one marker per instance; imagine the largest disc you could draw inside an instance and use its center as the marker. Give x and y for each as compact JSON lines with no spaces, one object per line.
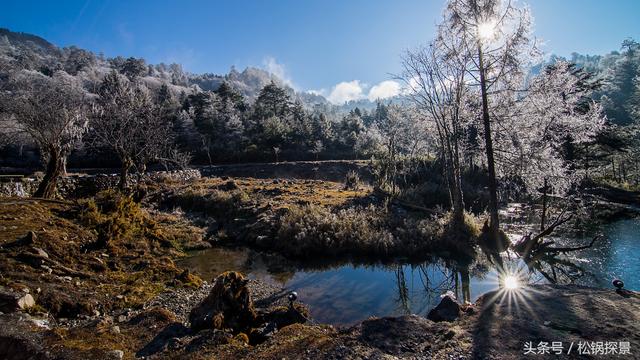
{"x":208,"y":339}
{"x":41,"y":253}
{"x":263,"y":333}
{"x":286,"y":315}
{"x":29,"y":239}
{"x":19,"y":341}
{"x":447,"y":310}
{"x":11,"y":301}
{"x":228,"y":305}
{"x":115,"y":354}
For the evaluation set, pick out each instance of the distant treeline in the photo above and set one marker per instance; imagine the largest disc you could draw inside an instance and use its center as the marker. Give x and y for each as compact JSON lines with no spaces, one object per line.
{"x":251,"y":117}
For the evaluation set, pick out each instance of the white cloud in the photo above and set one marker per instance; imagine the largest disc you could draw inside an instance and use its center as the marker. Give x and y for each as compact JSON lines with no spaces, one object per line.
{"x":346,"y":91}
{"x":356,"y":90}
{"x":384,"y":90}
{"x":411,"y":87}
{"x":271,"y":65}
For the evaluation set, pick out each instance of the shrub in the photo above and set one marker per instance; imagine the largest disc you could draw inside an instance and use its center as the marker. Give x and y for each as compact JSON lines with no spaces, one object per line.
{"x":313,"y":229}
{"x":352,"y":180}
{"x":212,"y":202}
{"x":458,"y":238}
{"x":114,"y":216}
{"x":428,"y":194}
{"x":120,"y":222}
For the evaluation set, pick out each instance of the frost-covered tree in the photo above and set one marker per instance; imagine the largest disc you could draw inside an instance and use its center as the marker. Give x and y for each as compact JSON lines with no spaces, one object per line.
{"x":272,"y":101}
{"x":219,"y":118}
{"x":492,"y":40}
{"x":53,"y":112}
{"x":436,"y":85}
{"x":317,"y":148}
{"x":77,"y":59}
{"x":125,"y":120}
{"x":130,"y":67}
{"x":397,"y":135}
{"x":226,"y":128}
{"x":349,"y":132}
{"x":301,"y":128}
{"x":555,"y":109}
{"x":622,"y":84}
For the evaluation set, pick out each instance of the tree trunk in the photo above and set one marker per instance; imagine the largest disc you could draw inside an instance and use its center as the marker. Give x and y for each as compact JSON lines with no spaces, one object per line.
{"x":494,"y":224}
{"x":64,"y":166}
{"x":543,"y":216}
{"x":465,"y":279}
{"x":124,"y":174}
{"x":47,"y":188}
{"x":458,"y":200}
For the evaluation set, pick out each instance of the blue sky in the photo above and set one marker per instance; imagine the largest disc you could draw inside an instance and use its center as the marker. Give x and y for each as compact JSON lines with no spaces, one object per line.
{"x":313,"y":44}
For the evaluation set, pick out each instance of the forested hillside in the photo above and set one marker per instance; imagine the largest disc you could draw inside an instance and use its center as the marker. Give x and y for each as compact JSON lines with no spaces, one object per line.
{"x":252,"y":116}
{"x":241,"y":116}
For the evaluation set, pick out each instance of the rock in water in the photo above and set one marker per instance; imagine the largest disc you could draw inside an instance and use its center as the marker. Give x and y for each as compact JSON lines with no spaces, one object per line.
{"x":11,"y":301}
{"x":447,"y":310}
{"x":228,"y":305}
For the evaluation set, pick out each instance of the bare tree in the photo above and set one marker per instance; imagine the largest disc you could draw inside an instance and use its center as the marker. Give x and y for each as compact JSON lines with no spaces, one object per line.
{"x":52,"y":111}
{"x":398,"y":134}
{"x":126,"y":121}
{"x":437,"y":86}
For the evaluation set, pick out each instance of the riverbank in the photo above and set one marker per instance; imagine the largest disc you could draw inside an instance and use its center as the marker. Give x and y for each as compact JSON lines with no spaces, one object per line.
{"x":500,"y":325}
{"x":310,"y":218}
{"x":104,"y":280}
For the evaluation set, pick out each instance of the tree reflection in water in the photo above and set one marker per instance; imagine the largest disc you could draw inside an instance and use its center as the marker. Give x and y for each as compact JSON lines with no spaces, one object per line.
{"x":442,"y":276}
{"x":436,"y":278}
{"x":403,"y":300}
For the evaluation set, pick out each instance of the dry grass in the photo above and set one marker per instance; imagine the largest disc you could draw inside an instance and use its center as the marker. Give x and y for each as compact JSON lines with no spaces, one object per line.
{"x":280,"y":193}
{"x":303,"y":217}
{"x":313,"y":230}
{"x":78,"y":275}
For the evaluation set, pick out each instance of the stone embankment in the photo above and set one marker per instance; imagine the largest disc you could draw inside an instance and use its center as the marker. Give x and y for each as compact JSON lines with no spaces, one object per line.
{"x":79,"y":185}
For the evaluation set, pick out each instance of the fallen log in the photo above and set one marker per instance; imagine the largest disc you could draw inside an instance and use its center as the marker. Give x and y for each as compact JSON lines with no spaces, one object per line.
{"x":529,"y":244}
{"x":567,"y":249}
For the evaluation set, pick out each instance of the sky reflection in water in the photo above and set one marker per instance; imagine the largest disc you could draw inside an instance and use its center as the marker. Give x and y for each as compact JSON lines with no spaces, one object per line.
{"x":346,"y":294}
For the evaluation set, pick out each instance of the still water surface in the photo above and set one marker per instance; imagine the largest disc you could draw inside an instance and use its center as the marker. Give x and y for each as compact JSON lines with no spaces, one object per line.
{"x":346,"y":293}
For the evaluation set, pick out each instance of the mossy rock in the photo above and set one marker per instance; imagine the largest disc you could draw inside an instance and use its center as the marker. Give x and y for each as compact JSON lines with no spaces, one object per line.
{"x":228,"y":306}
{"x":187,"y":279}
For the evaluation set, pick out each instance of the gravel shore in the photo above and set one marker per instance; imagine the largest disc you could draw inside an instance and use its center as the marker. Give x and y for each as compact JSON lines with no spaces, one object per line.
{"x":180,"y":301}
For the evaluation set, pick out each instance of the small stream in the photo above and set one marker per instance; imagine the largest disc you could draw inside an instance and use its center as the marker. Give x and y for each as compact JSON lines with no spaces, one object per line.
{"x":343,"y":294}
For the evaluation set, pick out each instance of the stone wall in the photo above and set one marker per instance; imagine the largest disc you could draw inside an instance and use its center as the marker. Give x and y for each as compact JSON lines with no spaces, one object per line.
{"x":18,"y":187}
{"x":75,"y":186}
{"x":330,"y":170}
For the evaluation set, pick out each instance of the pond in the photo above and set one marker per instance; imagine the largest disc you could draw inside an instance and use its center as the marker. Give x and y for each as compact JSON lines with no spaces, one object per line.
{"x":343,"y":294}
{"x":616,"y":256}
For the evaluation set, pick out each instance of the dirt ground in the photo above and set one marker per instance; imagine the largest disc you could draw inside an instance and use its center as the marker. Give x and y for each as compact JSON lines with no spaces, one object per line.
{"x":126,"y":298}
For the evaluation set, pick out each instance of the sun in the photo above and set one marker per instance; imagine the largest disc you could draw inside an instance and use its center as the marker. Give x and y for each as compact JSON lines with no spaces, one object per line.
{"x":486,"y":30}
{"x":511,"y":282}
